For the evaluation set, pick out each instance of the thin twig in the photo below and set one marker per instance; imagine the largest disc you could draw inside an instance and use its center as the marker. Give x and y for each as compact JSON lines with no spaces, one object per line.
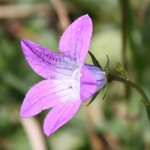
{"x":97,"y":141}
{"x":62,"y":14}
{"x":34,"y":133}
{"x":124,"y":41}
{"x":21,"y":11}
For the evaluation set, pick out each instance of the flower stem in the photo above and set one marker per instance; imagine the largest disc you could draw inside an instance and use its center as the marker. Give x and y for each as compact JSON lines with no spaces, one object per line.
{"x":145,"y":99}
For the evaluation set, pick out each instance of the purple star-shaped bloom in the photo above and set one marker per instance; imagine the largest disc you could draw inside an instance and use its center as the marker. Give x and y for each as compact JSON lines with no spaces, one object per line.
{"x":68,"y":81}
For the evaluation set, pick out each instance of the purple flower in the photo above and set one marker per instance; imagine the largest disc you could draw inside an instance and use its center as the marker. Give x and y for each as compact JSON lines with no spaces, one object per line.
{"x":68,"y":81}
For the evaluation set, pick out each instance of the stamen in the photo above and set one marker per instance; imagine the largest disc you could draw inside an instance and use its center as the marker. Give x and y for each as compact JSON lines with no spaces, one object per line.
{"x":74,"y":80}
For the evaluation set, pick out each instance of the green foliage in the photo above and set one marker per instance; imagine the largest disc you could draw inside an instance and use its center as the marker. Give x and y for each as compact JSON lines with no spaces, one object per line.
{"x":121,"y":70}
{"x":121,"y":122}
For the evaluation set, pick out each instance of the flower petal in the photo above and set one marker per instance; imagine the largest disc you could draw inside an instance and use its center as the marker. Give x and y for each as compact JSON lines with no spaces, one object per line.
{"x":98,"y":74}
{"x":92,"y":80}
{"x":75,"y":40}
{"x":59,"y":115}
{"x":45,"y":62}
{"x":46,"y":94}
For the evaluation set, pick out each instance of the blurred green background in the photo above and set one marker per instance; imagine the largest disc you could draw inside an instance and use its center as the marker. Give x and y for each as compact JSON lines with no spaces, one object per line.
{"x":115,"y":123}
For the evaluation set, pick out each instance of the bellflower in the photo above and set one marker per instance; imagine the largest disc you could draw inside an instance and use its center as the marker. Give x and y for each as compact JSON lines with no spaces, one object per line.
{"x":68,"y":81}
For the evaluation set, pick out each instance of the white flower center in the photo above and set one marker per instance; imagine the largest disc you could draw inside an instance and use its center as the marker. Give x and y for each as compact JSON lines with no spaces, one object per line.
{"x":74,"y":80}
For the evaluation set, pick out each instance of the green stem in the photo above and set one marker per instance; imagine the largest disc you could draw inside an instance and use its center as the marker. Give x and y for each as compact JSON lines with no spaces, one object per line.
{"x":124,"y":31}
{"x":135,"y":86}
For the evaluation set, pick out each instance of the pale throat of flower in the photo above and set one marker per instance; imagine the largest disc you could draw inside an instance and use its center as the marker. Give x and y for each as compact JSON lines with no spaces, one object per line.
{"x":74,"y":80}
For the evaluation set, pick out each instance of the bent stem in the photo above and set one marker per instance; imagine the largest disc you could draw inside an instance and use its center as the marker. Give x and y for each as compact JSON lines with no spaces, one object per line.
{"x":145,"y":99}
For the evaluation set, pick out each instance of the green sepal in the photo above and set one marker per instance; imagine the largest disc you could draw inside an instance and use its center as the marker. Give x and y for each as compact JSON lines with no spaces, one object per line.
{"x":96,"y":63}
{"x":94,"y":60}
{"x":93,"y":98}
{"x":105,"y":91}
{"x":107,"y":66}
